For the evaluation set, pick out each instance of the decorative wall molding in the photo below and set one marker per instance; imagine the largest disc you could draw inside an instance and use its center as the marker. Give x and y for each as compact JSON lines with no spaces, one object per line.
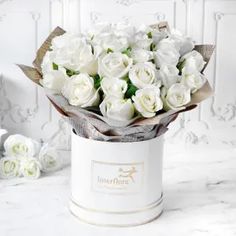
{"x":60,"y":12}
{"x":228,"y":112}
{"x":127,"y":3}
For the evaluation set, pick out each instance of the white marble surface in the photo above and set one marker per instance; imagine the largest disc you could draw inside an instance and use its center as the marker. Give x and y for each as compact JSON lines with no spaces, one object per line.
{"x":199,"y":190}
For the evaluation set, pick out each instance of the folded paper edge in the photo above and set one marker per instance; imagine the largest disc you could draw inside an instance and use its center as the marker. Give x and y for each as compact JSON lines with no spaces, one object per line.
{"x":45,"y":47}
{"x":31,"y":73}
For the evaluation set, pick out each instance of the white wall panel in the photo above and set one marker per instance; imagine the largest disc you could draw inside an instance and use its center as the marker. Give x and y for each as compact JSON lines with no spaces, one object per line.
{"x":25,"y":24}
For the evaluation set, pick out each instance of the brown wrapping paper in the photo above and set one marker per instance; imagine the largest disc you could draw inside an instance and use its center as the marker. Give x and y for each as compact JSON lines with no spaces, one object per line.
{"x":90,"y":124}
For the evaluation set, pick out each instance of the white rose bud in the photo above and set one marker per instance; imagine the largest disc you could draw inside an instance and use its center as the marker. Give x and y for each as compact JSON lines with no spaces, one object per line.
{"x":114,"y":65}
{"x":50,"y":159}
{"x":80,"y":91}
{"x":192,"y":78}
{"x":30,"y":168}
{"x":143,"y":74}
{"x":166,"y":53}
{"x":54,"y":80}
{"x":111,"y":41}
{"x":147,"y":101}
{"x":193,"y":58}
{"x":9,"y":167}
{"x":20,"y":146}
{"x":169,"y":75}
{"x":176,"y":97}
{"x":141,"y":55}
{"x":114,"y":87}
{"x":117,"y":108}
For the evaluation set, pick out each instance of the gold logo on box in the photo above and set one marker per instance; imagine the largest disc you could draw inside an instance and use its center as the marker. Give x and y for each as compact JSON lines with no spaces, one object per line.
{"x":117,"y":178}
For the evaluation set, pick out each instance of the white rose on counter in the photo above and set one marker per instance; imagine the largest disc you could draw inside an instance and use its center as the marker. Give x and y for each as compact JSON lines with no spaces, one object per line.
{"x":166,"y":53}
{"x":54,"y":80}
{"x":74,"y":53}
{"x":176,"y":97}
{"x":143,"y":74}
{"x":192,"y":78}
{"x":117,"y":108}
{"x":114,"y":87}
{"x":9,"y":167}
{"x":169,"y":75}
{"x":147,"y":101}
{"x":79,"y":91}
{"x":50,"y":159}
{"x":193,"y":58}
{"x":20,"y":146}
{"x":30,"y":168}
{"x":141,"y":55}
{"x":114,"y":65}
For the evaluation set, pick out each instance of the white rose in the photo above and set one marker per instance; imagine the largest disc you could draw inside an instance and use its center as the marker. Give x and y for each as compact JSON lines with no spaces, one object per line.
{"x":30,"y":168}
{"x":111,"y":41}
{"x":80,"y":91}
{"x":20,"y":146}
{"x":74,"y":53}
{"x":193,"y":58}
{"x":122,"y":29}
{"x":50,"y":159}
{"x":192,"y":78}
{"x":114,"y":65}
{"x":157,"y":36}
{"x":147,"y":101}
{"x":166,"y":53}
{"x":141,"y":55}
{"x":117,"y":108}
{"x":143,"y":74}
{"x":176,"y":97}
{"x":185,"y":44}
{"x":54,"y":80}
{"x":114,"y":87}
{"x":141,"y":40}
{"x":9,"y":167}
{"x":169,"y":75}
{"x":99,"y":28}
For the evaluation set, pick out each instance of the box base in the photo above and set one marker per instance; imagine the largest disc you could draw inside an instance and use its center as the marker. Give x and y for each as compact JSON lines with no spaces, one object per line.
{"x":117,"y":218}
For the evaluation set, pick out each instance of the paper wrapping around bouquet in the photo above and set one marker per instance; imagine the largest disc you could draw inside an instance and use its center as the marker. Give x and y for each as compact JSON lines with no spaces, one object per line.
{"x":89,"y":123}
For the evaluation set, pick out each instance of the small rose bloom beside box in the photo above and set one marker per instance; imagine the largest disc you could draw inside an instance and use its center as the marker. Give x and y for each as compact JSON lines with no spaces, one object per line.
{"x":120,"y":83}
{"x":26,"y":157}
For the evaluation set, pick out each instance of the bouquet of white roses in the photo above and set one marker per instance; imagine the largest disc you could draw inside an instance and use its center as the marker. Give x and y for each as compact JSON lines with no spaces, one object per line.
{"x":119,"y":82}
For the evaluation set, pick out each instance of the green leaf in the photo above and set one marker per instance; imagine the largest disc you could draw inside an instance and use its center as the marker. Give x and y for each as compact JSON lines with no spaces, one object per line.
{"x":180,"y":65}
{"x":127,"y":51}
{"x":71,"y":72}
{"x":149,"y":35}
{"x":152,"y":47}
{"x":54,"y":66}
{"x":109,"y":50}
{"x":97,"y":81}
{"x":131,"y":90}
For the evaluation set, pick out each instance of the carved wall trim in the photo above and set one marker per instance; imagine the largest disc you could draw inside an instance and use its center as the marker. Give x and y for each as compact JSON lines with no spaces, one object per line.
{"x":227,"y":113}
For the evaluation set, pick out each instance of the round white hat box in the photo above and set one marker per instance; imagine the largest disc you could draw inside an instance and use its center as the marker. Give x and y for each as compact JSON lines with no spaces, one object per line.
{"x":116,"y":183}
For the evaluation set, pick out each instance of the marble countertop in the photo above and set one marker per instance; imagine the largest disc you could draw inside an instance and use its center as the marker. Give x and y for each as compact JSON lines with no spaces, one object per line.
{"x":199,"y":194}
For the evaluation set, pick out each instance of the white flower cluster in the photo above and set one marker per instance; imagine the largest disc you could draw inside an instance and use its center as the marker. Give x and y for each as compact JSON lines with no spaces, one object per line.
{"x":124,"y":70}
{"x":25,"y":157}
